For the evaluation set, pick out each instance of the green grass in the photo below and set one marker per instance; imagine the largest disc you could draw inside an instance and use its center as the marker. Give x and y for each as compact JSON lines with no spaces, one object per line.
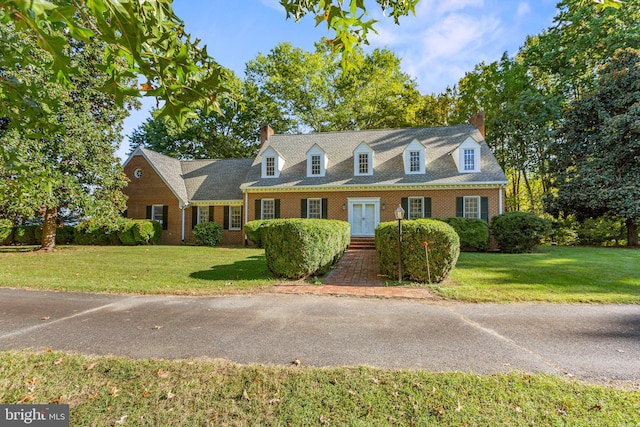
{"x":112,"y":391}
{"x":181,"y":270}
{"x":553,"y":274}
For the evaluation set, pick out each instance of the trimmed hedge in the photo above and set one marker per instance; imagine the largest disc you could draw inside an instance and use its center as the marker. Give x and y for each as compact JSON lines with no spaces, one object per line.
{"x":297,"y":248}
{"x":253,"y":230}
{"x":518,"y":232}
{"x":65,"y":235}
{"x":443,"y":249}
{"x":208,"y":233}
{"x":26,"y":235}
{"x":88,"y":233}
{"x":134,"y":232}
{"x":473,"y":233}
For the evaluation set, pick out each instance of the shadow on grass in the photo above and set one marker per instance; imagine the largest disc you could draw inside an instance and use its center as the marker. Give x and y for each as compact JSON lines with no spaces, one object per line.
{"x":252,"y":268}
{"x":13,"y":249}
{"x":559,"y":270}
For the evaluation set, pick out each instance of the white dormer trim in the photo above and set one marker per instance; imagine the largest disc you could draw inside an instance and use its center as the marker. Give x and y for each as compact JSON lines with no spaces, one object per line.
{"x":314,"y":151}
{"x":469,"y":149}
{"x":415,"y":148}
{"x":364,"y":150}
{"x":272,"y":163}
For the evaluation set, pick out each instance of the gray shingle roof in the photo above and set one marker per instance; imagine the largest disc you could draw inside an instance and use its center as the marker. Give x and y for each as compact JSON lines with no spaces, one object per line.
{"x":215,"y":179}
{"x":388,"y":147}
{"x":169,"y":170}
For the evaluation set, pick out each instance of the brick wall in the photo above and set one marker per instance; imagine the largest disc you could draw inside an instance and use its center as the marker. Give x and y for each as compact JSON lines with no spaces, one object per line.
{"x":149,"y":190}
{"x":229,"y":237}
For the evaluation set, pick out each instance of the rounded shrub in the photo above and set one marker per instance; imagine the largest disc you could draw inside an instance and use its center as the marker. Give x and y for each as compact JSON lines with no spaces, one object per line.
{"x":208,"y":233}
{"x":90,"y":233}
{"x":253,"y":230}
{"x":473,"y":233}
{"x":518,"y":232}
{"x":126,"y":233}
{"x":443,"y":249}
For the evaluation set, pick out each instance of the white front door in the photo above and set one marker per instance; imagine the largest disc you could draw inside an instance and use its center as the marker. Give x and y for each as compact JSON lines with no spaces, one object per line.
{"x":364,"y":216}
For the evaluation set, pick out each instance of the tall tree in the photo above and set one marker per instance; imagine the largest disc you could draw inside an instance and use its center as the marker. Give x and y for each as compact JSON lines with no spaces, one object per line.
{"x":596,"y":161}
{"x":71,"y":163}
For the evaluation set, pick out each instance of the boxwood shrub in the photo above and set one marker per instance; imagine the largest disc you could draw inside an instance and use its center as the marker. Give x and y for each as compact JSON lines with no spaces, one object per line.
{"x":90,"y":233}
{"x":443,"y":246}
{"x":208,"y":233}
{"x":253,"y":230}
{"x":297,"y":248}
{"x":473,"y":233}
{"x":134,"y":232}
{"x":518,"y":232}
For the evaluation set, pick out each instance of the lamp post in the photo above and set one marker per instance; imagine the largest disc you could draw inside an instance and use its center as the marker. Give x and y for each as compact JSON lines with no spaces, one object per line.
{"x":399,"y":214}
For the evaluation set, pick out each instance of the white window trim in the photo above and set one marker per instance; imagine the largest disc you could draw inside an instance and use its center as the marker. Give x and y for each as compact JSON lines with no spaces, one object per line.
{"x":153,"y":213}
{"x":363,"y":148}
{"x":231,"y":227}
{"x":464,"y":159}
{"x":270,"y":170}
{"x":458,"y":155}
{"x":316,"y":151}
{"x":262,"y":202}
{"x":464,"y":206}
{"x":415,"y":146}
{"x":278,"y":163}
{"x":309,"y":208}
{"x":409,"y":206}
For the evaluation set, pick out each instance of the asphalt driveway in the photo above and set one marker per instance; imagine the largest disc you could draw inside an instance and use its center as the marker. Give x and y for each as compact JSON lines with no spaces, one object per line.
{"x":596,"y":342}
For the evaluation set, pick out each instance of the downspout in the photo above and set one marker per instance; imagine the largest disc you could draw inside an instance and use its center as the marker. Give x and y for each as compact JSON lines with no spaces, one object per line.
{"x":501,"y":190}
{"x":246,"y":215}
{"x":182,"y":208}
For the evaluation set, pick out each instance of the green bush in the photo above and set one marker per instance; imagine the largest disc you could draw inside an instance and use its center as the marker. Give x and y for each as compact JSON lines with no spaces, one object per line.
{"x":443,"y":249}
{"x":6,"y":232}
{"x":603,"y":231}
{"x":208,"y":233}
{"x":564,"y":232}
{"x":473,"y":233}
{"x":127,"y":234}
{"x":518,"y":232}
{"x":65,"y":235}
{"x":25,"y":235}
{"x":297,"y":248}
{"x":253,"y":230}
{"x":90,"y":233}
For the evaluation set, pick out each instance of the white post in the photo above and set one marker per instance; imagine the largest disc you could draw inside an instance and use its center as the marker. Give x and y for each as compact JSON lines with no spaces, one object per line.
{"x":500,"y":199}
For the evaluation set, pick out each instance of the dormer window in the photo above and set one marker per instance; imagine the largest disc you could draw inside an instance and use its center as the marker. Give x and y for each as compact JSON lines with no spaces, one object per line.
{"x":414,"y":158}
{"x":467,"y":156}
{"x":363,"y":160}
{"x":272,"y":163}
{"x":316,"y":161}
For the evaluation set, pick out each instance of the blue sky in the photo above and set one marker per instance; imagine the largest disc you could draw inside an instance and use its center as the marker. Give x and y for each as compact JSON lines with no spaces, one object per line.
{"x":444,"y":40}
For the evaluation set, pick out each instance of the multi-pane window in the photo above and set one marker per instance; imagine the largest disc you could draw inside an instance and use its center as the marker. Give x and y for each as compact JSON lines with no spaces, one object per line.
{"x":203,"y":214}
{"x":363,"y":163}
{"x":469,"y":160}
{"x":268,"y":209}
{"x":472,"y":207}
{"x":271,"y":166}
{"x":416,"y":207}
{"x":314,"y":208}
{"x":315,"y":165}
{"x":235,"y":217}
{"x":414,"y":161}
{"x":157,"y":214}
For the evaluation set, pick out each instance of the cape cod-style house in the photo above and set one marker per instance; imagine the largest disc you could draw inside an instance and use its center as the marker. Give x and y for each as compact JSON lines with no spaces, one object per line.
{"x":357,"y":176}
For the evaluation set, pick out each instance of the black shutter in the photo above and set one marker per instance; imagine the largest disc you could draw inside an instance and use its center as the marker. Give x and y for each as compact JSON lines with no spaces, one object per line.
{"x":427,"y":207}
{"x":404,"y":202}
{"x":211,"y":214}
{"x":258,"y":209}
{"x":165,"y":217}
{"x":484,"y":208}
{"x":459,"y":207}
{"x":149,"y":212}
{"x":226,"y":217}
{"x":194,"y":216}
{"x":303,"y":208}
{"x":325,"y":208}
{"x":276,"y":203}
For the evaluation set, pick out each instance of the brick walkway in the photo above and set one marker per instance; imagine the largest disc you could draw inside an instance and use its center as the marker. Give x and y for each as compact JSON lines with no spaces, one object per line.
{"x":356,"y":274}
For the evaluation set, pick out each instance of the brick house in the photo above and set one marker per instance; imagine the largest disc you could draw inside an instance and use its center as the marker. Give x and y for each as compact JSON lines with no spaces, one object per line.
{"x":357,"y":176}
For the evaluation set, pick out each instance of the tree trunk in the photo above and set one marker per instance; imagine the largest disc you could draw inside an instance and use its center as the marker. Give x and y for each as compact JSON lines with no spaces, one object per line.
{"x":632,"y":232}
{"x":49,"y":229}
{"x":532,"y":206}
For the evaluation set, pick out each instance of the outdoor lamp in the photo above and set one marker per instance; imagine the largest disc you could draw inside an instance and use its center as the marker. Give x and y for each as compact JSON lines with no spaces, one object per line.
{"x":399,"y":214}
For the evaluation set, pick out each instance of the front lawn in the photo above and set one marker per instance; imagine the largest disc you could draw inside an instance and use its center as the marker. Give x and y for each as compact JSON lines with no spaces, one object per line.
{"x":552,"y":274}
{"x":103,"y":391}
{"x":180,"y":270}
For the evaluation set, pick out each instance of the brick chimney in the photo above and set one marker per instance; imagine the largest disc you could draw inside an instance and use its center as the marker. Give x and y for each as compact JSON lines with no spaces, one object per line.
{"x":478,"y":121}
{"x":265,"y":133}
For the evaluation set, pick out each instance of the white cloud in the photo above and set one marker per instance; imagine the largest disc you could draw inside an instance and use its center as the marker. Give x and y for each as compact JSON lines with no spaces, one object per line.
{"x":523,"y":10}
{"x":455,"y":5}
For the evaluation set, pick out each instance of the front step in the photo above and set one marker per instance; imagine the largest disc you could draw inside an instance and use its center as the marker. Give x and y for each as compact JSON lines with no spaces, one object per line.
{"x":362,"y":243}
